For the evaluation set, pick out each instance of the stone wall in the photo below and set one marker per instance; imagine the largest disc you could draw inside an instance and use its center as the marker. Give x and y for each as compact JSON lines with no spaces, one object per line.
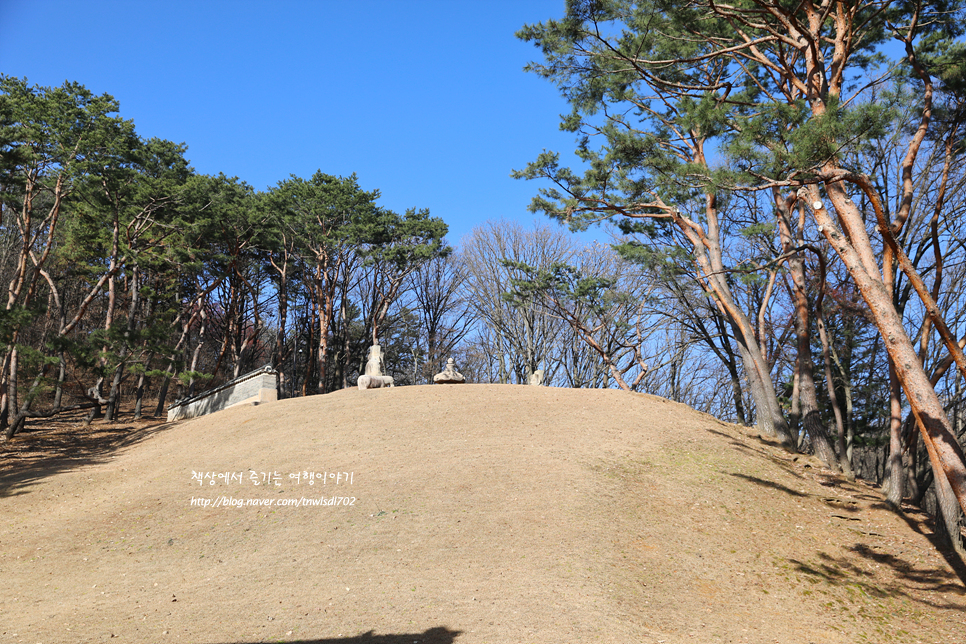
{"x":253,"y":388}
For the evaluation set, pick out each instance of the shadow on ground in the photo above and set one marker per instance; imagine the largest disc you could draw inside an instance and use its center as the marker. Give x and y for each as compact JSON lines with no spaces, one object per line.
{"x":839,"y":571}
{"x":941,"y":545}
{"x":770,"y":484}
{"x":437,"y":635}
{"x":935,"y":580}
{"x":33,"y":456}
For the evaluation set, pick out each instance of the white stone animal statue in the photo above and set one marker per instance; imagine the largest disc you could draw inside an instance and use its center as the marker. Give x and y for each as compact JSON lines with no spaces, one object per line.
{"x":375,"y":382}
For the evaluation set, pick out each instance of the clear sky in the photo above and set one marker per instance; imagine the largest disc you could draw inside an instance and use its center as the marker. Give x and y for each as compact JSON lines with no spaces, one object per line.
{"x":425,"y":100}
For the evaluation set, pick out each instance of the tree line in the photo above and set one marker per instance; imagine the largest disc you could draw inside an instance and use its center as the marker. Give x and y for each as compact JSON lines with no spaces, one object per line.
{"x":796,"y":169}
{"x":126,"y":271}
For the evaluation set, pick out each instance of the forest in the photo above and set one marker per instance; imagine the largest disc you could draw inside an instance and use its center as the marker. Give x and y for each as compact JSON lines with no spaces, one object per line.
{"x":781,"y":183}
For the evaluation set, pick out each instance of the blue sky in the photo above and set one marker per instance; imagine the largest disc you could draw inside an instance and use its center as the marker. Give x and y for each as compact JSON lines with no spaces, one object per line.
{"x":424,"y":100}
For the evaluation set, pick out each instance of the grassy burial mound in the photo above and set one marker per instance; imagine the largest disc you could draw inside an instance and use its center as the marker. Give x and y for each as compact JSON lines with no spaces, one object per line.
{"x":481,"y":513}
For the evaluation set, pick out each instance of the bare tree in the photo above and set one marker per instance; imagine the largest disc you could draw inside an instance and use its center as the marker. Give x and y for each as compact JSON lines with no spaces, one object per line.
{"x":601,"y":298}
{"x":438,"y":298}
{"x":518,"y":337}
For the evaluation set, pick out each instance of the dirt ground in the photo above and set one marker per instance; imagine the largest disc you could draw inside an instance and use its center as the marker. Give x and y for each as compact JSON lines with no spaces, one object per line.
{"x":455,"y":515}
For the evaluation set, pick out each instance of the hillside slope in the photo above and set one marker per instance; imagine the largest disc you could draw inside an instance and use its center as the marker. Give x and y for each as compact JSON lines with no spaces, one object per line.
{"x":478,"y":513}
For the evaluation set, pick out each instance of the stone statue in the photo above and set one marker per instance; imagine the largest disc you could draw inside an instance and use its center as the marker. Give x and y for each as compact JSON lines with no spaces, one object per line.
{"x":449,"y":375}
{"x":375,"y":363}
{"x":373,"y":378}
{"x":536,"y":378}
{"x":375,"y":382}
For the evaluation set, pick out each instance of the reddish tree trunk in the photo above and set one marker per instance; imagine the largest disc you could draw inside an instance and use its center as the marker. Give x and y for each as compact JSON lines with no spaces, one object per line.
{"x":945,"y":453}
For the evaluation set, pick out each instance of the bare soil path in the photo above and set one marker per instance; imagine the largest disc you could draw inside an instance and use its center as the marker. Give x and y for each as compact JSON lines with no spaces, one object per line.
{"x":473,"y":514}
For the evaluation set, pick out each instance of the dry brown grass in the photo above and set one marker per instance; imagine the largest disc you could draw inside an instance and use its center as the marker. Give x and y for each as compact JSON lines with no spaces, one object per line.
{"x":483,"y":513}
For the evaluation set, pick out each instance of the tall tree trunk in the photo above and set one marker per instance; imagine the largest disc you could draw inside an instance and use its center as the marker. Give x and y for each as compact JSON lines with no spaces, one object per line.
{"x":771,"y":420}
{"x":894,"y":466}
{"x":280,"y":352}
{"x":229,"y":327}
{"x":310,"y":346}
{"x":61,"y":376}
{"x":114,"y":397}
{"x":325,"y":321}
{"x":795,"y":408}
{"x":945,"y":453}
{"x":709,"y":260}
{"x":727,"y":356}
{"x":142,"y":384}
{"x":842,"y":446}
{"x":163,"y":391}
{"x":12,"y":428}
{"x":346,"y":335}
{"x":811,"y":420}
